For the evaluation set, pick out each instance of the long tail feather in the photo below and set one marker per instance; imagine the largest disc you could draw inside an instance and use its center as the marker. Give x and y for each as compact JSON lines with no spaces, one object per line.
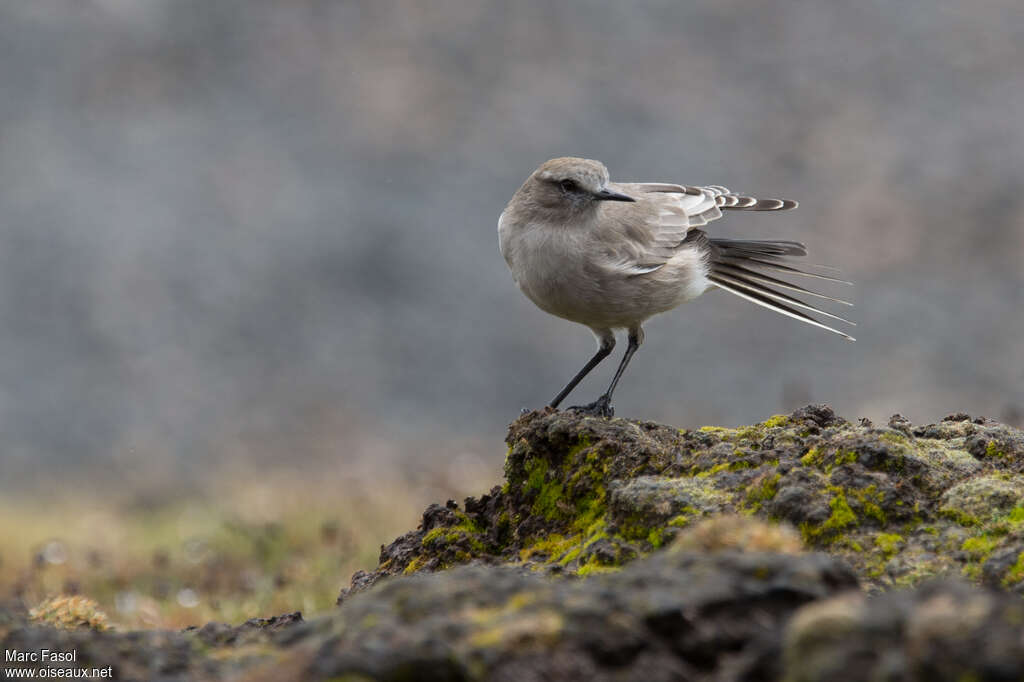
{"x":756,"y":288}
{"x":779,"y":267}
{"x":778,"y":307}
{"x":745,"y":247}
{"x":767,"y":279}
{"x":736,"y":267}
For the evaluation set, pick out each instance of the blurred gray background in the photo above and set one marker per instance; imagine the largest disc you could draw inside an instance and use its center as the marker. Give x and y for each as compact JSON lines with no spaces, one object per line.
{"x":268,"y":229}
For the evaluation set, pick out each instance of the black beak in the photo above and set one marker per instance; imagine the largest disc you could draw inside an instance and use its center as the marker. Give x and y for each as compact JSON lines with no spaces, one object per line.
{"x":608,"y":195}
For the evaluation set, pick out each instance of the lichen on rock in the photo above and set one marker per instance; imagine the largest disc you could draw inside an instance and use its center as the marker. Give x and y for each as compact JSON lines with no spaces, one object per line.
{"x":805,"y":548}
{"x":900,"y":503}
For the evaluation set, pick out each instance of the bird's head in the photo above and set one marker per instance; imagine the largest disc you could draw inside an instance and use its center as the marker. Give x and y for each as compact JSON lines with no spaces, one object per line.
{"x":569,"y":185}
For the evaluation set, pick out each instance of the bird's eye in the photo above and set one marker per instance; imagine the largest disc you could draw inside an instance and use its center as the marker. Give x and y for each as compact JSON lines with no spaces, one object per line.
{"x":568,"y":185}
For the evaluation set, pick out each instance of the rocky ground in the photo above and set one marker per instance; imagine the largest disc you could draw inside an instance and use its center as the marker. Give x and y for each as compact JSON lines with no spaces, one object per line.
{"x":802,"y":548}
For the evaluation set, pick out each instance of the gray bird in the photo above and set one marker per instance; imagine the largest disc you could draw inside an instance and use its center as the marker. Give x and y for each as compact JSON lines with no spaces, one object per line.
{"x":610,"y":255}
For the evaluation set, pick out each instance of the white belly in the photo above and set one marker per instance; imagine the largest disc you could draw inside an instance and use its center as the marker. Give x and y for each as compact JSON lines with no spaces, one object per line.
{"x":565,"y":276}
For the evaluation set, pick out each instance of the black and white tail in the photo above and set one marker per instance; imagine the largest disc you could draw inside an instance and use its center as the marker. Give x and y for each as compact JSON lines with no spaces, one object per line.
{"x":739,"y":267}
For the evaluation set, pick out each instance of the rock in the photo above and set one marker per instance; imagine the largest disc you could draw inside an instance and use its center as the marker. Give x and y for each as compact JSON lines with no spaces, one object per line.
{"x":802,"y":548}
{"x":983,"y":497}
{"x":674,"y":615}
{"x":944,"y":631}
{"x":216,"y":634}
{"x":901,"y":503}
{"x":738,"y":533}
{"x":162,"y":655}
{"x":655,"y":501}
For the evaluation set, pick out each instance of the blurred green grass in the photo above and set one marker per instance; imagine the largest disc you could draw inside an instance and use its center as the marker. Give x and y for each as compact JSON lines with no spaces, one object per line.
{"x":244,"y":546}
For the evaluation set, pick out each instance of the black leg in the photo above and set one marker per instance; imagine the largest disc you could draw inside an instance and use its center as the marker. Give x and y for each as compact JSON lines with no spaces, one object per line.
{"x":604,"y":349}
{"x":602,"y":407}
{"x":634,"y":343}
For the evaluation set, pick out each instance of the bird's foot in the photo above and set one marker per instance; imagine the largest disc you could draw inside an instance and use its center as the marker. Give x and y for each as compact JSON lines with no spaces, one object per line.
{"x":602,"y":407}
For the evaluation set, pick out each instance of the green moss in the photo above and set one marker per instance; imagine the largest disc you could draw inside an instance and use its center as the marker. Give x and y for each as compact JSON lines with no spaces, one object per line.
{"x":548,"y":492}
{"x":734,"y":465}
{"x":636,"y":526}
{"x":850,"y":544}
{"x":819,"y":459}
{"x":582,"y":443}
{"x":1016,"y":516}
{"x":812,"y":458}
{"x":466,"y":530}
{"x":1016,"y":572}
{"x":777,"y":420}
{"x":684,"y":518}
{"x":589,"y":510}
{"x":845,"y":457}
{"x":598,"y":533}
{"x":841,"y":517}
{"x":979,"y":547}
{"x":870,"y":501}
{"x":547,"y":500}
{"x":574,"y":497}
{"x":963,"y":518}
{"x":763,"y":492}
{"x":656,"y":537}
{"x":894,"y":437}
{"x":993,"y":451}
{"x":414,"y":565}
{"x":581,"y":500}
{"x":873,"y":563}
{"x":593,"y":566}
{"x":432,"y":537}
{"x":752,"y":433}
{"x":504,"y":524}
{"x":563,"y":549}
{"x":570,"y":556}
{"x":553,"y":547}
{"x":889,"y":543}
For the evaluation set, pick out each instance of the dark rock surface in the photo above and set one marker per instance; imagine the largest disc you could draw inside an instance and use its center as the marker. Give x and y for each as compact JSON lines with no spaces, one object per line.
{"x":158,"y":655}
{"x":942,"y":631}
{"x":900,"y":503}
{"x":804,"y":548}
{"x":675,"y":615}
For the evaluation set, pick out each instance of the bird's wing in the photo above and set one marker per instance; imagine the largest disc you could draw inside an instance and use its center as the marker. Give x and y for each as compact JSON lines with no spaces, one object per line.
{"x":644,"y":235}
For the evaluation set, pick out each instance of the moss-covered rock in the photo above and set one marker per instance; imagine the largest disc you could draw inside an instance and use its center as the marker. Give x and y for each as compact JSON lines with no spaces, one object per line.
{"x":215,"y":651}
{"x":674,"y":615}
{"x":900,"y":503}
{"x":945,"y":631}
{"x":983,"y":498}
{"x":733,"y":532}
{"x":620,"y":550}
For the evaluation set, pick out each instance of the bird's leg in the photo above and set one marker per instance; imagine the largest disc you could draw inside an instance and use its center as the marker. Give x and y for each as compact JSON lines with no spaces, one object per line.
{"x":605,"y":344}
{"x":602,"y":407}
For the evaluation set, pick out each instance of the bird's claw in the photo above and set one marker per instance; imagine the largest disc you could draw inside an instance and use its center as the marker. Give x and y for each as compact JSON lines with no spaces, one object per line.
{"x":602,"y":407}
